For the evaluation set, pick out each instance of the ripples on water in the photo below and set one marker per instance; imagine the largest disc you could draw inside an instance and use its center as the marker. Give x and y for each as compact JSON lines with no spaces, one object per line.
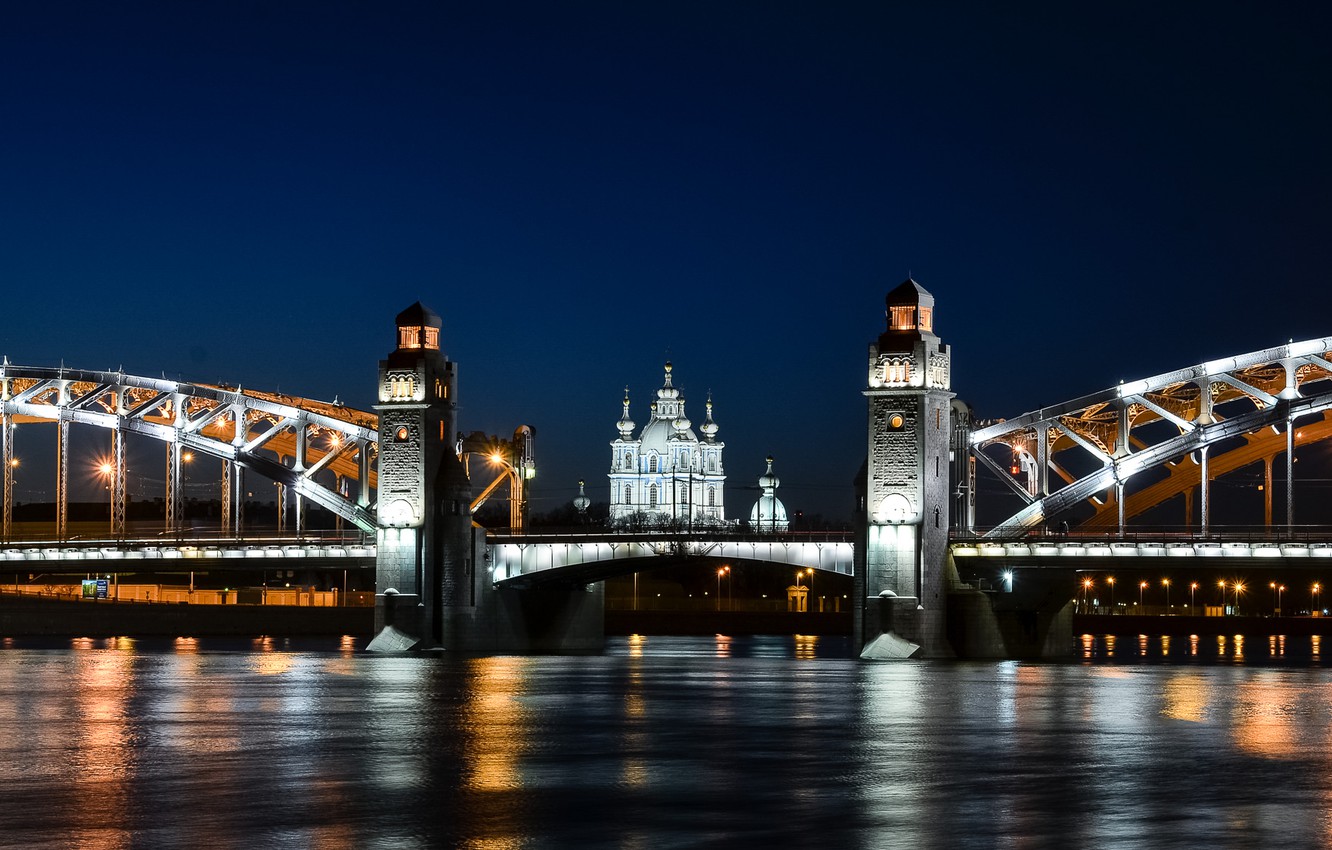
{"x":662,"y":743}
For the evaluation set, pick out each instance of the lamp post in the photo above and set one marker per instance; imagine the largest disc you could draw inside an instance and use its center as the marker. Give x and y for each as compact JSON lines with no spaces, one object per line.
{"x":1086,"y":595}
{"x":1281,"y":588}
{"x":1166,"y":582}
{"x":1142,"y":586}
{"x":1111,"y":581}
{"x":1222,"y":584}
{"x":1193,"y":587}
{"x":105,"y":469}
{"x":720,"y":572}
{"x":1272,"y":585}
{"x":1316,"y":587}
{"x":1239,"y":588}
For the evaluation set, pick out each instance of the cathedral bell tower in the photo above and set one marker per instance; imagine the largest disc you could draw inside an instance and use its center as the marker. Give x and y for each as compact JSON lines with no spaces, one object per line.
{"x":904,"y":504}
{"x":418,"y":466}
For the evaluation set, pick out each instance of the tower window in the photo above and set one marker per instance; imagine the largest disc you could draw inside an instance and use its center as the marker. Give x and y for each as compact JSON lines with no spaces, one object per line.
{"x":628,"y":495}
{"x":712,"y":497}
{"x":897,"y":370}
{"x":652,"y":463}
{"x":652,"y":496}
{"x":409,"y":337}
{"x":895,"y":421}
{"x":432,"y":338}
{"x":902,"y":318}
{"x":926,"y":319}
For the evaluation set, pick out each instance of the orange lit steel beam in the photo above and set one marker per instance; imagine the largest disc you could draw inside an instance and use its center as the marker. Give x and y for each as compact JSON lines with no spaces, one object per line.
{"x":1185,"y":476}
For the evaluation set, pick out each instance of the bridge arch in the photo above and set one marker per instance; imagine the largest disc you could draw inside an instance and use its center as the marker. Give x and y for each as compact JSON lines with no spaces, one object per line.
{"x":1156,"y":422}
{"x":537,"y":560}
{"x":251,"y":429}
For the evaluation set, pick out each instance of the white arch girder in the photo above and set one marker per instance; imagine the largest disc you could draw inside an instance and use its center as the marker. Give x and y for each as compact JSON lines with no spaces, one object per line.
{"x":1236,"y":373}
{"x":43,"y":393}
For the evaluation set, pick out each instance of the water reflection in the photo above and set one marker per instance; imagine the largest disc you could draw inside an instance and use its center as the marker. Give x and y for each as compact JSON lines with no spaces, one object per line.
{"x":666,"y":743}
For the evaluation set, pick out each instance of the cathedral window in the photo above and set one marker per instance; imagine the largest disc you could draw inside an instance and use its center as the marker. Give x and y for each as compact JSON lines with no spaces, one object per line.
{"x":712,"y":497}
{"x":652,"y":463}
{"x":652,"y":496}
{"x":628,"y":494}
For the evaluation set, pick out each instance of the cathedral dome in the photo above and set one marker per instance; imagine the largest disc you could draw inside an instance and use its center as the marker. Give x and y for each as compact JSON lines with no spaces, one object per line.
{"x":655,"y":436}
{"x":768,"y":513}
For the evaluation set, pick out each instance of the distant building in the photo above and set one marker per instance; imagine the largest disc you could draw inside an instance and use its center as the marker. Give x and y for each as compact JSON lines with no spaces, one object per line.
{"x":667,"y":474}
{"x":768,"y":513}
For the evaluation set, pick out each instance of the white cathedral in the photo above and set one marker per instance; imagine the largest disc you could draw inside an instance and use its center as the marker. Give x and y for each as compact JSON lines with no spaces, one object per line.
{"x":668,"y":474}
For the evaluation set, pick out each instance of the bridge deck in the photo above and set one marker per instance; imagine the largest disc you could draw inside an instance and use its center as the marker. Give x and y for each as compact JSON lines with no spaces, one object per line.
{"x":234,"y":554}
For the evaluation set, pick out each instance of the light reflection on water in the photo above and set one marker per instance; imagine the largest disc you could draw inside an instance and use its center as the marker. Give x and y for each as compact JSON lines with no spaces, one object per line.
{"x":666,"y":742}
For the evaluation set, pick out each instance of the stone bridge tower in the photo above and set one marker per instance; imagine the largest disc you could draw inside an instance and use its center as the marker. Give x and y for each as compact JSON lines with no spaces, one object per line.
{"x":903,"y":506}
{"x":422,"y":486}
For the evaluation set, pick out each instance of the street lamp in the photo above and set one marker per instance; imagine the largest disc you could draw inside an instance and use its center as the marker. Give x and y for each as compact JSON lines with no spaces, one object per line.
{"x":1272,"y":585}
{"x":1086,"y":595}
{"x":1111,"y":581}
{"x":1193,"y":587}
{"x":1222,"y":584}
{"x":1166,"y":582}
{"x":1281,"y":588}
{"x":1142,"y":586}
{"x":105,"y":469}
{"x":1316,"y":587}
{"x":1239,"y":588}
{"x":720,"y":572}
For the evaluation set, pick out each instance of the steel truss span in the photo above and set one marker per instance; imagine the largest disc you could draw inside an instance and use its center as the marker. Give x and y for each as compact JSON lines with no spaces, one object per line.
{"x":285,"y":439}
{"x":1170,"y":422}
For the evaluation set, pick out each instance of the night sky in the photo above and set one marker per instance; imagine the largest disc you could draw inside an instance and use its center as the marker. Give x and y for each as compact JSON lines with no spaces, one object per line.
{"x":250,"y":192}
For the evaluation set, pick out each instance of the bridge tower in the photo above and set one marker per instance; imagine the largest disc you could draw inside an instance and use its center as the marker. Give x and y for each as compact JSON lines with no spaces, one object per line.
{"x":902,"y":542}
{"x":424,"y":525}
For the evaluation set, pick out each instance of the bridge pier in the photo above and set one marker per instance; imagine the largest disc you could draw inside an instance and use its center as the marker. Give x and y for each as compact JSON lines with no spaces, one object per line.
{"x":479,"y":618}
{"x":1030,"y":616}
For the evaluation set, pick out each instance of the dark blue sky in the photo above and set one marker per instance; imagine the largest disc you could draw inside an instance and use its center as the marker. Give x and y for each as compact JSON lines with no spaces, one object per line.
{"x":251,"y":191}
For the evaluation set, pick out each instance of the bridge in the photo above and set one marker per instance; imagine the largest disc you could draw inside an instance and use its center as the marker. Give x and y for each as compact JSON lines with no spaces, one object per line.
{"x":398,"y":482}
{"x":553,"y":560}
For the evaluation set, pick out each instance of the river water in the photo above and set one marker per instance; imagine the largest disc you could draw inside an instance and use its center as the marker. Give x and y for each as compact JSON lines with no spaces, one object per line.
{"x":660,"y":743}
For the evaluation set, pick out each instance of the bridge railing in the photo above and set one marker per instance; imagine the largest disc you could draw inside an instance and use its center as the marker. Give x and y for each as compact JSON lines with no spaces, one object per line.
{"x":1237,"y":533}
{"x":197,"y":537}
{"x":504,"y":535}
